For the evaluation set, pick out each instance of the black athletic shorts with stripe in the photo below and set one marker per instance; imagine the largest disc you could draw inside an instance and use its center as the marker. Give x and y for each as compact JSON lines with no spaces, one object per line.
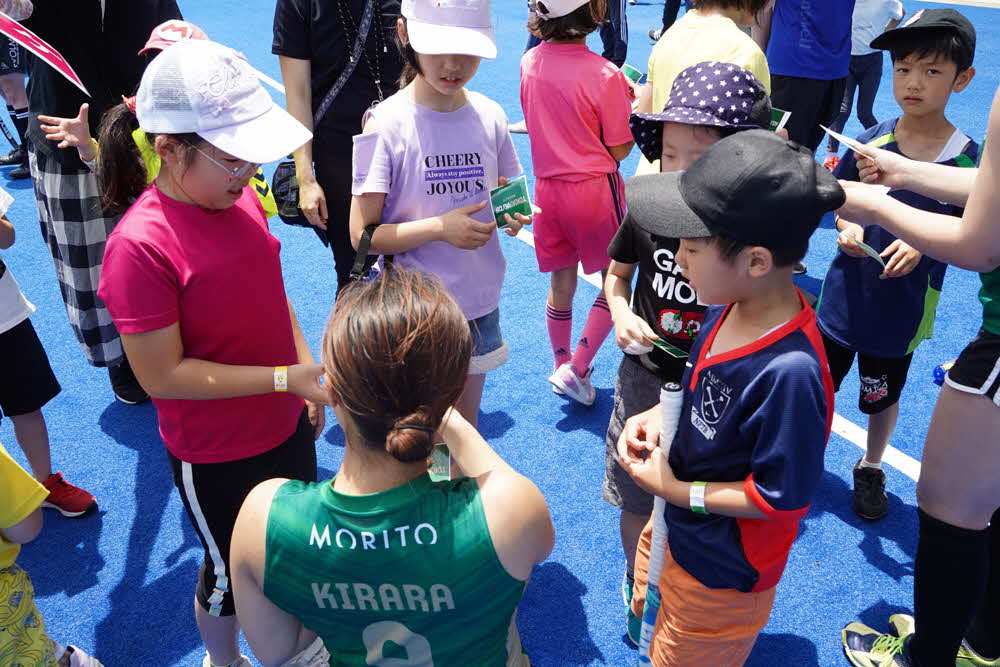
{"x":977,"y":370}
{"x":213,"y":493}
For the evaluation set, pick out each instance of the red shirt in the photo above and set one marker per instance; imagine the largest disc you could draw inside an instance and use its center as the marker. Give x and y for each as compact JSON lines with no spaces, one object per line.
{"x":218,"y":274}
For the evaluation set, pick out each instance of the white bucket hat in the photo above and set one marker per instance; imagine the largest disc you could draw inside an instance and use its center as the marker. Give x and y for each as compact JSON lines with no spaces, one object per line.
{"x":437,"y":27}
{"x":210,"y":89}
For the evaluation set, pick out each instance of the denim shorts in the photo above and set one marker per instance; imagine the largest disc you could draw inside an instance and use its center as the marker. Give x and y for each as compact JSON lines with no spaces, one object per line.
{"x":489,"y":349}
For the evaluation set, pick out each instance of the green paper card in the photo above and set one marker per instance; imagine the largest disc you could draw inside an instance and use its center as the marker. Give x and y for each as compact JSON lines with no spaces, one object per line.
{"x":631,"y":73}
{"x":674,"y":352}
{"x":440,"y":469}
{"x":779,"y":118}
{"x":511,"y":198}
{"x":871,"y":252}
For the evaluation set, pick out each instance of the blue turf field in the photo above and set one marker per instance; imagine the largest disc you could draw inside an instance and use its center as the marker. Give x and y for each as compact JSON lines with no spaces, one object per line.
{"x":119,"y":583}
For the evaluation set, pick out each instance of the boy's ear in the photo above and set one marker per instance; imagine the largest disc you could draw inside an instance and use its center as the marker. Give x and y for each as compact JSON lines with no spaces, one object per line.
{"x":964,"y":79}
{"x":759,"y":261}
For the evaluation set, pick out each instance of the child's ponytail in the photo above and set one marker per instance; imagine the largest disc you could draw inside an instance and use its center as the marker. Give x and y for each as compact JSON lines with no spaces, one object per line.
{"x":121,"y":171}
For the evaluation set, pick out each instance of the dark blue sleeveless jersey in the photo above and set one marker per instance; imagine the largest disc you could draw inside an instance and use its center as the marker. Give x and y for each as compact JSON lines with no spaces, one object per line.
{"x":761,"y":415}
{"x":891,"y":317}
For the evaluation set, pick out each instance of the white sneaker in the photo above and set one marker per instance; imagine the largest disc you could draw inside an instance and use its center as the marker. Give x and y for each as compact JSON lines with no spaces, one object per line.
{"x":520,"y":127}
{"x":79,"y":658}
{"x":242,"y":662}
{"x":572,"y":385}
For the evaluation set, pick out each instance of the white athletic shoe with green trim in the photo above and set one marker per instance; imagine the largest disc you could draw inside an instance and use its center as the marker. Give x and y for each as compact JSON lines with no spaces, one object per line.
{"x":968,"y":658}
{"x":865,"y":647}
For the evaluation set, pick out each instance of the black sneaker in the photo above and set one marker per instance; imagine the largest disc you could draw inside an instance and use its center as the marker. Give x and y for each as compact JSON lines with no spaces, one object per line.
{"x":870,"y":501}
{"x":655,"y":34}
{"x":22,"y":171}
{"x":800,"y":268}
{"x":16,"y":156}
{"x":125,"y":385}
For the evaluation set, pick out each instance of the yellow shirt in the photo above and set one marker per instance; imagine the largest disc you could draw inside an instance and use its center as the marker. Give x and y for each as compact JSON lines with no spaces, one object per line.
{"x":20,"y":495}
{"x":258,"y":181}
{"x":694,"y":39}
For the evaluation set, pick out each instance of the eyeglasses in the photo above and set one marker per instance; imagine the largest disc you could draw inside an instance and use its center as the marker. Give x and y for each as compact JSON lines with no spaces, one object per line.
{"x":235,"y":174}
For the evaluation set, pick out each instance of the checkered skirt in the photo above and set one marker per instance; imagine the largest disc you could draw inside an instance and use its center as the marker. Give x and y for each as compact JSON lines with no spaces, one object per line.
{"x":75,"y":228}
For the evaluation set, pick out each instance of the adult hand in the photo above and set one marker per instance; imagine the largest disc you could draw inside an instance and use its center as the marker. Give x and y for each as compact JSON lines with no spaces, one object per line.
{"x":462,"y":231}
{"x":880,"y":167}
{"x":304,"y":381}
{"x":904,"y":258}
{"x":864,"y":204}
{"x":847,"y":240}
{"x":312,"y":201}
{"x":71,"y":132}
{"x":631,"y":331}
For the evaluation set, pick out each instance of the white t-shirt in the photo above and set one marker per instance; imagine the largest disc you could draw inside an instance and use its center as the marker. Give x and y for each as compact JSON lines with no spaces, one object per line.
{"x":869,"y":21}
{"x":14,"y":308}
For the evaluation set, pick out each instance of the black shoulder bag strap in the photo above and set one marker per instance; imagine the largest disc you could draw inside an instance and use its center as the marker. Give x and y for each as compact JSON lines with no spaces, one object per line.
{"x":359,"y":44}
{"x":361,"y":258}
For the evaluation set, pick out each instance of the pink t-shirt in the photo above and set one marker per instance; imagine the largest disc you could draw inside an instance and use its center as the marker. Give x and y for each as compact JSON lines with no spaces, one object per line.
{"x":428,"y":163}
{"x":576,"y":104}
{"x":217,"y":274}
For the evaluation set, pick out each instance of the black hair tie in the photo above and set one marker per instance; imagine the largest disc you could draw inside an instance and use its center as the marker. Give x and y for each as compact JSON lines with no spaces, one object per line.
{"x":415,"y":427}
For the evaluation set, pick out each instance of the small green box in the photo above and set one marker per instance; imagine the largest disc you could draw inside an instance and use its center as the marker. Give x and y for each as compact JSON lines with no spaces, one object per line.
{"x":511,"y":198}
{"x":631,"y":73}
{"x":779,"y":118}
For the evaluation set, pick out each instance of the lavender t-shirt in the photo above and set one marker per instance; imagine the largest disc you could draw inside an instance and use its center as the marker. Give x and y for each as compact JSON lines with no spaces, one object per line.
{"x":430,"y":162}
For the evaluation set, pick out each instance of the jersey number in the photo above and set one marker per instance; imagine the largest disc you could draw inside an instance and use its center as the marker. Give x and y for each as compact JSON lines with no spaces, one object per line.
{"x":376,"y":635}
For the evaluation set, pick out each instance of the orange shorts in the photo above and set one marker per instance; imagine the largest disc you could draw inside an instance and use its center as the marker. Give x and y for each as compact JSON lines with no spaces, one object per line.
{"x":698,"y":625}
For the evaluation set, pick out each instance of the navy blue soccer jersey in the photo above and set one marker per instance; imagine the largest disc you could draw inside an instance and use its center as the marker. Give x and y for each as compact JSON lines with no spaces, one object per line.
{"x":761,"y":415}
{"x":887,"y":318}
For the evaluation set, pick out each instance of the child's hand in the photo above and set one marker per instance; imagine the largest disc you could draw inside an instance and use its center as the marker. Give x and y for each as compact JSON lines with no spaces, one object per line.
{"x":71,"y":133}
{"x":517,"y":221}
{"x":304,"y":381}
{"x":632,"y":333}
{"x":904,"y":258}
{"x":462,"y":231}
{"x":881,"y":167}
{"x":640,"y":434}
{"x":846,"y":241}
{"x":649,"y":467}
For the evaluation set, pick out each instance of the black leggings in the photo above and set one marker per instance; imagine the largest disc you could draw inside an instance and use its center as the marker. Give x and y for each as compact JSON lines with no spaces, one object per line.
{"x":333,"y":173}
{"x":956,"y":591}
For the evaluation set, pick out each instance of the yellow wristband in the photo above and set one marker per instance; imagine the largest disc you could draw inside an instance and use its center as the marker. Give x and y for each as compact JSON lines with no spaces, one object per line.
{"x":281,"y":378}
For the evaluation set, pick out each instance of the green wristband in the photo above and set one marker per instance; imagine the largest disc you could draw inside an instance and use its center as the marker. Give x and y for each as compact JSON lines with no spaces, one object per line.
{"x":697,"y":497}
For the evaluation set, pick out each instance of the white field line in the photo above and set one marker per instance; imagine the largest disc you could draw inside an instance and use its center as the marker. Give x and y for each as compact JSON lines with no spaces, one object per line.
{"x":993,"y":4}
{"x":849,"y":431}
{"x":269,"y":81}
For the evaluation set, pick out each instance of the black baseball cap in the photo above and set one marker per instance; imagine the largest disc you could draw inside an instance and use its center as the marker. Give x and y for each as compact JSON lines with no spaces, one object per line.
{"x":755,"y":187}
{"x":927,"y":20}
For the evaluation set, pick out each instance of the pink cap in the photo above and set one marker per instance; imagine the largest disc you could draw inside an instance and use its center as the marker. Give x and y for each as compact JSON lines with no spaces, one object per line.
{"x":170,"y":32}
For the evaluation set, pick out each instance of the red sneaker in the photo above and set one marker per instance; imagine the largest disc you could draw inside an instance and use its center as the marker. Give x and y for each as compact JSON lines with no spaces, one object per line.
{"x":831,"y":162}
{"x":70,"y":500}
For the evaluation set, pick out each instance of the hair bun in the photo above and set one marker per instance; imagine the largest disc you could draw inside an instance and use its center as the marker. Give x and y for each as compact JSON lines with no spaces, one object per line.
{"x":410,"y":439}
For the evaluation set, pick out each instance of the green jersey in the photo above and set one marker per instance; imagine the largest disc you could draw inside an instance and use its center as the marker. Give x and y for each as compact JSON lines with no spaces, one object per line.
{"x":404,"y":577}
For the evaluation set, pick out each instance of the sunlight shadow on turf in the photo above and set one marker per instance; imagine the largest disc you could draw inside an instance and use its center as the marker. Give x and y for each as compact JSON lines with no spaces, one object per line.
{"x":578,"y":417}
{"x":899,"y":526}
{"x":782,"y":649}
{"x":553,"y":606}
{"x":65,"y":557}
{"x":163,"y":606}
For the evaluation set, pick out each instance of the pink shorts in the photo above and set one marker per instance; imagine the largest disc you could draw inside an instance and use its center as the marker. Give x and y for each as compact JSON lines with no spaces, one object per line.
{"x":577,"y":222}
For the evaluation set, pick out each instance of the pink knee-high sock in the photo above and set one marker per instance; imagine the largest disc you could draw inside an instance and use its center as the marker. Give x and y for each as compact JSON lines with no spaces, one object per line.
{"x":596,"y":329}
{"x":560,"y":325}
